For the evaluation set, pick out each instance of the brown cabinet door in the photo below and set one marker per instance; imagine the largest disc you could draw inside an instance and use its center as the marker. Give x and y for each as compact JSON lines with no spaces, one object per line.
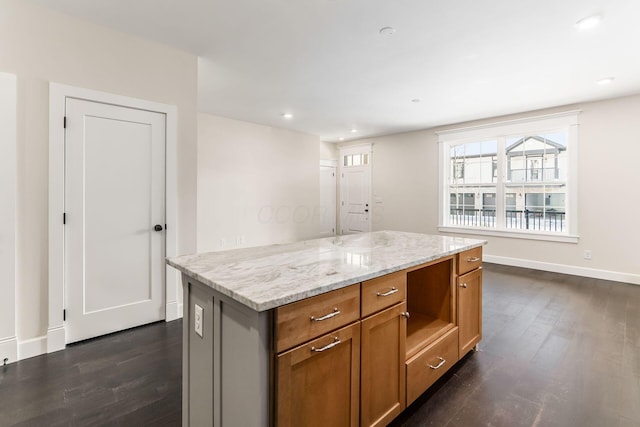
{"x":383,"y":366}
{"x":319,"y":382}
{"x":469,"y":310}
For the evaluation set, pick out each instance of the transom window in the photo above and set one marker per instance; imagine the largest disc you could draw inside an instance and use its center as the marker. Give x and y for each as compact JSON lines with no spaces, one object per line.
{"x":512,"y":178}
{"x":359,"y":159}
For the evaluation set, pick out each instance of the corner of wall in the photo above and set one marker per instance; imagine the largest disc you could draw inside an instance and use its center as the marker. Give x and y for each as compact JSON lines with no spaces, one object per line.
{"x":8,"y":350}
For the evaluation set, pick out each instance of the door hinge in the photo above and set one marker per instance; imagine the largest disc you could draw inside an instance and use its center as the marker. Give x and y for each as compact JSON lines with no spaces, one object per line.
{"x":64,"y":122}
{"x":64,"y":218}
{"x":64,"y":315}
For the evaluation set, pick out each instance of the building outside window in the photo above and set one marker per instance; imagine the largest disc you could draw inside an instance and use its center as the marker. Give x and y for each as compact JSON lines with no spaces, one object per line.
{"x":517,"y":177}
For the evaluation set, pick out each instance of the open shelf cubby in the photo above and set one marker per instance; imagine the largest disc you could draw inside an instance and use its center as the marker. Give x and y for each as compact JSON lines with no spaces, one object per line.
{"x":430,"y":304}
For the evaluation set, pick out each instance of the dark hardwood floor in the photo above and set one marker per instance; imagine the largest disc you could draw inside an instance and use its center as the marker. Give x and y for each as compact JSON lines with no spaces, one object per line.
{"x":131,"y":378}
{"x":557,"y":350}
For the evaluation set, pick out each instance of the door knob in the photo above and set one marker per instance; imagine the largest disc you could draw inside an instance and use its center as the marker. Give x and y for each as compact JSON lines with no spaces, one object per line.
{"x":157,"y":227}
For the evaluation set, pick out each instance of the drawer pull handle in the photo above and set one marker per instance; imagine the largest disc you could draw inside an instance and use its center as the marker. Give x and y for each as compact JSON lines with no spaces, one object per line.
{"x":439,"y":365}
{"x":326,"y":316}
{"x":463,"y":285}
{"x":405,"y":314}
{"x":474,"y":259}
{"x":386,"y":294}
{"x":335,"y":342}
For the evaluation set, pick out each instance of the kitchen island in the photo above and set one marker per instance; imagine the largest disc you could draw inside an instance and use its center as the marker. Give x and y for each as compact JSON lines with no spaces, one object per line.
{"x":346,"y":330}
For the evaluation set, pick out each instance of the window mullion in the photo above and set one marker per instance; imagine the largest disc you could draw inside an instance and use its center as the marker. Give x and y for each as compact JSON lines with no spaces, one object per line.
{"x":500,"y":184}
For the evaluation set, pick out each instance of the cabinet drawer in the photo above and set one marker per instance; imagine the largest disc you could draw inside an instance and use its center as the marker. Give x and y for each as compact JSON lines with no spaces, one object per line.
{"x":383,"y":292}
{"x":469,"y":260}
{"x":427,"y":366}
{"x":307,"y":319}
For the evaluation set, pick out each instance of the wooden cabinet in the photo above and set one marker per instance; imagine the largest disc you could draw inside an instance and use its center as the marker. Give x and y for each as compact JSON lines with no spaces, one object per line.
{"x":431,"y":303}
{"x":432,"y":337}
{"x":309,"y":318}
{"x":469,"y":310}
{"x":399,"y":334}
{"x":383,"y":292}
{"x":427,"y":366}
{"x":318,"y":383}
{"x":382,"y":366}
{"x":469,"y":290}
{"x":469,"y":260}
{"x":349,"y":357}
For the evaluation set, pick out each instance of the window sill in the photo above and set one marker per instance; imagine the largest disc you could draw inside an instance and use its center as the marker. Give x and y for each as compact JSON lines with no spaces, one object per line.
{"x":563,"y":238}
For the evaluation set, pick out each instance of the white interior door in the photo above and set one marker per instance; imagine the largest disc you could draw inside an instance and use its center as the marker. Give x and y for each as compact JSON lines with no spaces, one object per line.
{"x":328,"y":191}
{"x":355,"y":190}
{"x":114,"y":200}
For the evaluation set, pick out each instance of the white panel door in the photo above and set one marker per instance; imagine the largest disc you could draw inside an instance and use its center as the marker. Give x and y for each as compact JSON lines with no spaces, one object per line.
{"x":327,"y":201}
{"x":114,"y":201}
{"x":355,"y":191}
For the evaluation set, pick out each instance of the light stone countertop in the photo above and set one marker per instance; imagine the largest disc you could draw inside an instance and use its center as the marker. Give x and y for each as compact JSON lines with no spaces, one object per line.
{"x":267,"y":277}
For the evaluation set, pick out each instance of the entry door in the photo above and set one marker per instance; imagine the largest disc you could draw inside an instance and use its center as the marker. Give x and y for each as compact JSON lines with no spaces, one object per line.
{"x":114,"y":209}
{"x":327,"y":200}
{"x":355,"y":190}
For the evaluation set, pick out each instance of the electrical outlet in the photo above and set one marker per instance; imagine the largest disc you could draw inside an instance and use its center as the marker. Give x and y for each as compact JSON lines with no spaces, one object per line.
{"x":198,"y":317}
{"x":587,"y":254}
{"x":222,"y":242}
{"x":240,"y":241}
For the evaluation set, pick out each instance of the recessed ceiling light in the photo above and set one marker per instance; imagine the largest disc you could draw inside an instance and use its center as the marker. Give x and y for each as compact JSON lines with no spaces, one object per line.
{"x":589,"y":22}
{"x":387,"y":31}
{"x":416,"y":100}
{"x":605,"y":81}
{"x":354,"y":130}
{"x":341,"y":138}
{"x":287,"y":115}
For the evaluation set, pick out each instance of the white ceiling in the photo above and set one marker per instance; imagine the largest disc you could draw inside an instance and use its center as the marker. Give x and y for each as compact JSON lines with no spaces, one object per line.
{"x":326,"y":62}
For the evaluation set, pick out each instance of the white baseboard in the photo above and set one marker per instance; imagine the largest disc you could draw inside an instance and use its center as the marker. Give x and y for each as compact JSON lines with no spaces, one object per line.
{"x":56,"y":339}
{"x":8,"y":350}
{"x":32,"y":347}
{"x":173,"y":311}
{"x":15,"y":350}
{"x":180,"y":310}
{"x":565,"y":269}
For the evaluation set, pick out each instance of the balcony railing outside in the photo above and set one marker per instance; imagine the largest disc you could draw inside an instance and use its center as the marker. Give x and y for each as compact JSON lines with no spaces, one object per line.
{"x":515,"y":219}
{"x":533,"y":175}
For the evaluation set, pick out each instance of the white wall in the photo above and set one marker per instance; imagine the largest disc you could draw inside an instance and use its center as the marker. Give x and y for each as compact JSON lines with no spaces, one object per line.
{"x":8,"y":340}
{"x":40,"y":46}
{"x":405,"y":180}
{"x":328,"y":151}
{"x":256,"y":183}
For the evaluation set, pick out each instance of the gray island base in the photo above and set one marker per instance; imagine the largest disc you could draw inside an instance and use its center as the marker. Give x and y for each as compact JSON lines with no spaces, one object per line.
{"x":347,"y":330}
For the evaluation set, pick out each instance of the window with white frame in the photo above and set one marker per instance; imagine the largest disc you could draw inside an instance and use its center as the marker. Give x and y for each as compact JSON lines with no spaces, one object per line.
{"x":513,"y":178}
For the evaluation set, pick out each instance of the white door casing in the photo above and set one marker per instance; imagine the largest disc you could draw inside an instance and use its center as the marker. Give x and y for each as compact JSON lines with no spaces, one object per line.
{"x":8,"y":338}
{"x":96,"y":301}
{"x":328,"y":190}
{"x":114,"y":196}
{"x":355,"y":189}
